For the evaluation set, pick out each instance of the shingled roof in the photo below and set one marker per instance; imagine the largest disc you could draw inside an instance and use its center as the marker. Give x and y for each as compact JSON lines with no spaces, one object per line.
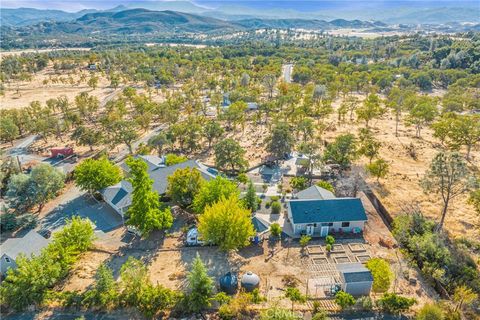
{"x":120,"y":194}
{"x":31,"y":243}
{"x":328,"y":210}
{"x":315,"y":192}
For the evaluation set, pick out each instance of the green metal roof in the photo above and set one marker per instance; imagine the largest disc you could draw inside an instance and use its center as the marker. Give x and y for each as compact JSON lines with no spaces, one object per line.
{"x":328,"y":210}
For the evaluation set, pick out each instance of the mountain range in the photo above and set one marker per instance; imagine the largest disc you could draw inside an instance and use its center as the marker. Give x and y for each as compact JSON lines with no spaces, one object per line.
{"x":390,"y":12}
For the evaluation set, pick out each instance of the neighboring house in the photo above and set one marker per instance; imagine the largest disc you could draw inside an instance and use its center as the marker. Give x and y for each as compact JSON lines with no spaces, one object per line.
{"x":356,"y":279}
{"x":315,"y":192}
{"x":31,"y":243}
{"x":119,"y":196}
{"x":153,"y":162}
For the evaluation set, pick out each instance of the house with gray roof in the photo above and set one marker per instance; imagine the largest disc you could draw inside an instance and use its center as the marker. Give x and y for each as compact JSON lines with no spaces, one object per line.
{"x":355,"y":279}
{"x":317,"y":212}
{"x":119,"y":196}
{"x":315,"y":192}
{"x":31,"y":243}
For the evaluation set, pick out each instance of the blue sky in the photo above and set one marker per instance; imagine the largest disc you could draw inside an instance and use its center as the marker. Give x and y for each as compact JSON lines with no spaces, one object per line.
{"x":299,"y":5}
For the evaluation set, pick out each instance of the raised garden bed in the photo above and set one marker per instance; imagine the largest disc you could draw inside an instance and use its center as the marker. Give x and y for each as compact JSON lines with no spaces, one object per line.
{"x":342,"y":259}
{"x":320,"y":260}
{"x":363,"y":258}
{"x":357,"y":247}
{"x":315,"y":249}
{"x":337,"y":248}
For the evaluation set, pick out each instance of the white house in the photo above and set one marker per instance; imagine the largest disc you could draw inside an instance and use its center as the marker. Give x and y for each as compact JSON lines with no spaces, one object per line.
{"x":31,"y":243}
{"x":316,"y":212}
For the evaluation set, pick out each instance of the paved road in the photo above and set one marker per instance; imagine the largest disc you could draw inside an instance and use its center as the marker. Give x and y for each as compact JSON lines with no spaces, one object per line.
{"x":287,"y":70}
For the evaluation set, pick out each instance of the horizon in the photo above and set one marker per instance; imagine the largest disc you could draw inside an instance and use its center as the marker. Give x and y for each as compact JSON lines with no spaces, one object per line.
{"x":298,"y":6}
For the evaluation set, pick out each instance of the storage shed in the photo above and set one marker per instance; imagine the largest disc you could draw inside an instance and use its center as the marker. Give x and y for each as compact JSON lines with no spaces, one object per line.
{"x":356,"y":279}
{"x":250,"y":281}
{"x":229,"y":283}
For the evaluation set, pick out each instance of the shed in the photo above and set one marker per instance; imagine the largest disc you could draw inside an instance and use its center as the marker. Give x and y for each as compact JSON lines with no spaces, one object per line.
{"x":356,"y":279}
{"x":250,"y":281}
{"x":229,"y":283}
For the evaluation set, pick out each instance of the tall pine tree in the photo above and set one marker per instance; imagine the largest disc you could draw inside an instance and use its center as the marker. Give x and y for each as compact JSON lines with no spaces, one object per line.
{"x":145,"y":212}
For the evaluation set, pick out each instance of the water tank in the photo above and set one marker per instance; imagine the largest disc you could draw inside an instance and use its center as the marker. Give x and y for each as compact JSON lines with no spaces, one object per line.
{"x":229,"y":283}
{"x":250,"y":281}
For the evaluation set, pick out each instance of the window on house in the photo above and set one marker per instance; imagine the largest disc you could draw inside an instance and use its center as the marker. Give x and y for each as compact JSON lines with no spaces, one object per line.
{"x":7,"y":259}
{"x":327,"y":224}
{"x":345,"y":224}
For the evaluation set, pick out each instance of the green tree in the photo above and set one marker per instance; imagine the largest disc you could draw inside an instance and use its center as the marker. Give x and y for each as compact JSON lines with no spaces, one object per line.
{"x":280,"y":141}
{"x":430,"y":312}
{"x":158,"y":142}
{"x":105,"y":291}
{"x":342,"y":151}
{"x":227,"y":224}
{"x":87,"y":137}
{"x":172,"y":159}
{"x":251,"y":199}
{"x":368,"y":145}
{"x":382,"y":275}
{"x":93,"y":82}
{"x":294,"y":295}
{"x":344,"y":300}
{"x":378,"y":168}
{"x":200,"y":286}
{"x":235,"y":114}
{"x":93,"y":175}
{"x":276,"y":207}
{"x":229,"y":155}
{"x":212,"y":131}
{"x":422,"y":112}
{"x":8,"y":129}
{"x":463,"y":296}
{"x":145,"y":212}
{"x":395,"y":304}
{"x":325,"y":185}
{"x":299,"y":183}
{"x":183,"y":185}
{"x":213,"y":191}
{"x":275,"y":229}
{"x":448,"y":176}
{"x":41,"y":185}
{"x":304,"y":240}
{"x":133,"y":278}
{"x":371,"y":109}
{"x":124,"y":132}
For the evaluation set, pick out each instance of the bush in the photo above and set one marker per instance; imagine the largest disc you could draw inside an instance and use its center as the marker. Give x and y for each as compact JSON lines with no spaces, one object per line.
{"x":276,"y":207}
{"x":172,"y":159}
{"x":344,"y":300}
{"x":365,"y":303}
{"x":325,"y":185}
{"x":382,"y":275}
{"x":8,"y":222}
{"x":304,"y":240}
{"x":275,"y":229}
{"x":395,"y":304}
{"x":430,"y":312}
{"x":330,"y":240}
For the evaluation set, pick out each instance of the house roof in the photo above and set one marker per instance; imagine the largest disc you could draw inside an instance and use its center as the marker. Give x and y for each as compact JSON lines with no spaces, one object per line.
{"x":259,"y":225}
{"x":31,"y":243}
{"x":152,"y":162}
{"x":354,"y":272}
{"x":328,"y":210}
{"x":120,"y":194}
{"x":315,"y":192}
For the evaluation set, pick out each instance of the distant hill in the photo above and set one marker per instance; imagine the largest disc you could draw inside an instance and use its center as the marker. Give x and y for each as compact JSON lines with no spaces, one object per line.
{"x":29,"y":16}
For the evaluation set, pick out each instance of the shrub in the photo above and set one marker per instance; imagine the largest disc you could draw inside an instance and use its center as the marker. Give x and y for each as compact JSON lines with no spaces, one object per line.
{"x":172,"y":159}
{"x":430,"y":312}
{"x":276,"y":207}
{"x":304,"y":240}
{"x":275,"y":229}
{"x":325,"y":185}
{"x":382,"y":275}
{"x":365,"y":303}
{"x":344,"y":300}
{"x":329,"y":240}
{"x":395,"y":304}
